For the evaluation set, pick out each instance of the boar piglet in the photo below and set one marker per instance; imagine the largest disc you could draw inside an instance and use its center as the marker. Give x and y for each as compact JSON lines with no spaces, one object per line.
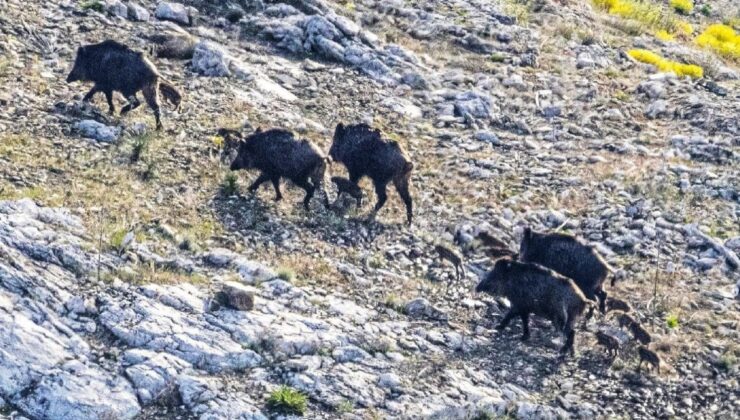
{"x":533,"y":289}
{"x":114,"y":67}
{"x":570,"y":257}
{"x":365,"y":153}
{"x":278,"y":154}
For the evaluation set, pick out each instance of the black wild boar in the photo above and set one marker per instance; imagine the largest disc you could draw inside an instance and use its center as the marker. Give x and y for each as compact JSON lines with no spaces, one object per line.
{"x":640,"y":334}
{"x":613,"y":304}
{"x":453,"y":257}
{"x":610,"y":343}
{"x":533,"y":289}
{"x":648,"y":356}
{"x":344,"y":185}
{"x":625,"y":320}
{"x":114,"y":67}
{"x":278,"y":154}
{"x":570,"y":257}
{"x":365,"y":153}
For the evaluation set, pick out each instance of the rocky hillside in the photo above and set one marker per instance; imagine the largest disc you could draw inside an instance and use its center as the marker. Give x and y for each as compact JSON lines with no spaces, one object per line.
{"x":140,"y":279}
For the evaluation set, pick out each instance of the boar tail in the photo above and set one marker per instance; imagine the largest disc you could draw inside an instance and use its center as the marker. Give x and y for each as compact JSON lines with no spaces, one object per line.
{"x":170,"y":93}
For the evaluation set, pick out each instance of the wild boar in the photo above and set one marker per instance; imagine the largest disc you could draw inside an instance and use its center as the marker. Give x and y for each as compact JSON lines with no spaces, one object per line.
{"x":278,"y":154}
{"x":114,"y":67}
{"x":570,"y":257}
{"x":365,"y":153}
{"x":640,"y":334}
{"x":613,"y":304}
{"x":533,"y":289}
{"x":625,"y":320}
{"x":610,"y":343}
{"x":648,"y":356}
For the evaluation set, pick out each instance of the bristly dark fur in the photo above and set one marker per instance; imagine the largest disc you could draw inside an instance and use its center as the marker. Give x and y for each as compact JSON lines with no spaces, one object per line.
{"x":278,"y":154}
{"x":570,"y":257}
{"x":610,"y":343}
{"x":114,"y":67}
{"x":365,"y":153}
{"x":640,"y":334}
{"x":533,"y":289}
{"x":613,"y":304}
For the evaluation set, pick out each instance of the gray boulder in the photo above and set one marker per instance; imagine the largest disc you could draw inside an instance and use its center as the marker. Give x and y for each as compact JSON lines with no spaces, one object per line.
{"x":175,"y":12}
{"x":97,"y":131}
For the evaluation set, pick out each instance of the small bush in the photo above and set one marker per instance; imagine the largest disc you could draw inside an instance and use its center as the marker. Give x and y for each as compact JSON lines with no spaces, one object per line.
{"x":680,"y":69}
{"x":345,"y":406}
{"x":727,"y":361}
{"x":706,"y":10}
{"x":286,"y":400}
{"x":229,"y":185}
{"x":682,"y":6}
{"x":141,"y":143}
{"x":93,"y":5}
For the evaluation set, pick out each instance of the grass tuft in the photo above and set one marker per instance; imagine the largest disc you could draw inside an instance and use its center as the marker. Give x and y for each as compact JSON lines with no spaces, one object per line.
{"x":286,"y":400}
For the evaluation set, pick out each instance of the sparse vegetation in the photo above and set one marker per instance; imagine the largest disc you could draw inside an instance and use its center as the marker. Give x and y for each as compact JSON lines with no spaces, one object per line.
{"x":288,"y":401}
{"x":680,"y":69}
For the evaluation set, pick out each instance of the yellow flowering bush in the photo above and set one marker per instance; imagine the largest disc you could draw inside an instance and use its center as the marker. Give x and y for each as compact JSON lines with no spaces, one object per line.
{"x":682,"y":6}
{"x":722,"y":39}
{"x":680,"y":69}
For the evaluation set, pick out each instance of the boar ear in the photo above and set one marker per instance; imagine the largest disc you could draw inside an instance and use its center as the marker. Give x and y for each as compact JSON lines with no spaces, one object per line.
{"x":340,"y":128}
{"x":527,"y":232}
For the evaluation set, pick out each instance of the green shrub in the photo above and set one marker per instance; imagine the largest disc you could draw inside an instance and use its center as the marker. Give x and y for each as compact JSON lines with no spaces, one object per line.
{"x":286,"y":400}
{"x":229,"y":186}
{"x":671,"y":321}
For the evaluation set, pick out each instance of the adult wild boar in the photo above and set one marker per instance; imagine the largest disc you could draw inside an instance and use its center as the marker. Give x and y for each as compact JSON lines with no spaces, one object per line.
{"x":533,"y":289}
{"x":278,"y":154}
{"x":365,"y":153}
{"x":570,"y":257}
{"x":114,"y":67}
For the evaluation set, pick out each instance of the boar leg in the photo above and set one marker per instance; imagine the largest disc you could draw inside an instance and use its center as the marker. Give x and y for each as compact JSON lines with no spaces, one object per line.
{"x":109,"y":98}
{"x":259,"y":181}
{"x":570,"y":334}
{"x":276,"y":185}
{"x":151,"y":95}
{"x":505,"y":321}
{"x":380,"y":191}
{"x":309,"y":188}
{"x":525,"y":326}
{"x":402,"y":186}
{"x":91,"y":93}
{"x":601,"y":295}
